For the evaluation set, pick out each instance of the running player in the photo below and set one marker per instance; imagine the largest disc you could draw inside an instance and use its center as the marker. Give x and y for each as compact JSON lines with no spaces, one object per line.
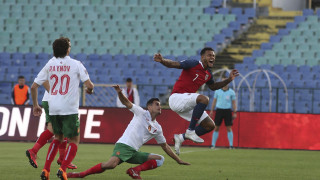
{"x":140,"y":130}
{"x":47,"y":135}
{"x":185,"y":101}
{"x":64,"y":75}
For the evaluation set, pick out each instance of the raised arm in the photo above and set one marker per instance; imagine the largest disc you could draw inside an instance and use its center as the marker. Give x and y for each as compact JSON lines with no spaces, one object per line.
{"x":218,"y":85}
{"x":166,"y":148}
{"x":166,"y":62}
{"x":124,"y":100}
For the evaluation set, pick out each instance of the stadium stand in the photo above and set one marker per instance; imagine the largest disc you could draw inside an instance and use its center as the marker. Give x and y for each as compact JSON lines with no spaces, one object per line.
{"x":116,"y":40}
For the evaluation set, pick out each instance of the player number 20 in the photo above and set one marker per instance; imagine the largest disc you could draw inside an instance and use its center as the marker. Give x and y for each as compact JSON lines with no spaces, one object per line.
{"x":55,"y":77}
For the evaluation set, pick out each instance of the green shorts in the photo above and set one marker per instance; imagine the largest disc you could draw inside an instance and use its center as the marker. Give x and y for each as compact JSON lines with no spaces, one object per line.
{"x":127,"y":154}
{"x":45,"y":106}
{"x":68,"y":125}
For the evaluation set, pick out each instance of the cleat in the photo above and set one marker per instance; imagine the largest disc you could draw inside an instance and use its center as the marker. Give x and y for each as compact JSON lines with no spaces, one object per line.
{"x":70,"y":166}
{"x":74,"y":175}
{"x":32,"y":158}
{"x":178,"y":140}
{"x":231,"y":147}
{"x":212,"y":147}
{"x":133,"y":173}
{"x":191,"y":134}
{"x":45,"y":175}
{"x":62,"y":174}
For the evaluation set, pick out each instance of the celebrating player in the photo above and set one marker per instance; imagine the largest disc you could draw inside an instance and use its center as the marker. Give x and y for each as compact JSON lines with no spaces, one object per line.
{"x":140,"y":130}
{"x":64,"y":75}
{"x":185,"y":101}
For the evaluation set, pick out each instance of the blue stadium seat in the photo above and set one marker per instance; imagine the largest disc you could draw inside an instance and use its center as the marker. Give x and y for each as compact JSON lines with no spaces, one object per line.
{"x":248,"y":60}
{"x":283,"y":32}
{"x":275,"y":39}
{"x":250,"y":12}
{"x":236,"y":11}
{"x":81,"y":57}
{"x":44,"y":56}
{"x":257,"y":53}
{"x":299,"y":19}
{"x":94,"y":57}
{"x":292,"y":68}
{"x":216,"y":3}
{"x":132,"y":57}
{"x":5,"y":56}
{"x":106,"y":57}
{"x":305,"y":69}
{"x":307,"y":12}
{"x":223,"y":11}
{"x":209,"y":10}
{"x":17,"y":56}
{"x":266,"y":46}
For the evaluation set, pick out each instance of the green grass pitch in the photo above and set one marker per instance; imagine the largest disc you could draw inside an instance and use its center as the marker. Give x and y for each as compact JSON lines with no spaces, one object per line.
{"x":219,"y":164}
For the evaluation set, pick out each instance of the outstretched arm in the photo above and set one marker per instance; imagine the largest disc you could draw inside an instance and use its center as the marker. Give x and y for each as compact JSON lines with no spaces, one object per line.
{"x":124,"y":100}
{"x":166,"y":62}
{"x":166,"y":148}
{"x":218,"y":85}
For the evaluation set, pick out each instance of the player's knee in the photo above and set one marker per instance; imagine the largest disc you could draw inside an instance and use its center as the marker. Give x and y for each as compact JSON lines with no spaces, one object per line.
{"x":210,"y":127}
{"x":160,"y":161}
{"x":203,"y":99}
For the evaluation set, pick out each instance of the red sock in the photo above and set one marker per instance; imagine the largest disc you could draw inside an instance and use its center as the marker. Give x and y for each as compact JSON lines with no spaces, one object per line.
{"x":52,"y":152}
{"x":42,"y":140}
{"x":70,"y":154}
{"x":94,"y":170}
{"x":62,"y":149}
{"x":151,"y":164}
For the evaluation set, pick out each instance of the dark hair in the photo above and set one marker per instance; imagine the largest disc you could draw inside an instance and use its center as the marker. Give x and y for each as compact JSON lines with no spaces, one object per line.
{"x":150,"y":101}
{"x":206,"y":49}
{"x":129,"y":80}
{"x":20,"y":77}
{"x":60,"y":47}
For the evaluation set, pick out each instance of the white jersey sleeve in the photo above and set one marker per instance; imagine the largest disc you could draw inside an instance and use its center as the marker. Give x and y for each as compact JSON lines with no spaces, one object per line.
{"x":84,"y":76}
{"x":137,"y":110}
{"x":42,"y":76}
{"x":160,"y":137}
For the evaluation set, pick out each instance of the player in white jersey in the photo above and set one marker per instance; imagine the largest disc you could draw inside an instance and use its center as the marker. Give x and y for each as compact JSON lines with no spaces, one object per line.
{"x":64,"y":75}
{"x":141,"y":129}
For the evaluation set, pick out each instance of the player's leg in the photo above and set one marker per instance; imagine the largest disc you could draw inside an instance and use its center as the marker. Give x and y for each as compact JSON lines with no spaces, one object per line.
{"x":52,"y":151}
{"x":42,"y":140}
{"x":218,"y":120}
{"x":62,"y":152}
{"x":99,"y":168}
{"x":190,"y":106}
{"x":229,"y":122}
{"x":147,"y":161}
{"x":71,"y":130}
{"x":121,"y":153}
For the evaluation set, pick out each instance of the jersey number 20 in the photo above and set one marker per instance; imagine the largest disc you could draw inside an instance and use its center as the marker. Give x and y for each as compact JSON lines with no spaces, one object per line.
{"x":55,"y":77}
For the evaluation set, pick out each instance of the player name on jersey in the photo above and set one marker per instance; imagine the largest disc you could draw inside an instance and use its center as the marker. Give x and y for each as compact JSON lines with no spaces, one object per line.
{"x":59,"y":68}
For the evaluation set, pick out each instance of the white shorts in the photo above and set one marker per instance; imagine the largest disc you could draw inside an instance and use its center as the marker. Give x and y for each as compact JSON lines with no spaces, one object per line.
{"x":183,"y":104}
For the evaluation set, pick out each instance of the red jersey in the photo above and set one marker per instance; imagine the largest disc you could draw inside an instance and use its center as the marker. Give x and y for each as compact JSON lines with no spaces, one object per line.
{"x":192,"y":77}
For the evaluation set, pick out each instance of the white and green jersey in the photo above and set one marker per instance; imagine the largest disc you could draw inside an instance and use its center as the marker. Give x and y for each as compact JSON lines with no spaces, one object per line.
{"x":64,"y":75}
{"x":141,"y":129}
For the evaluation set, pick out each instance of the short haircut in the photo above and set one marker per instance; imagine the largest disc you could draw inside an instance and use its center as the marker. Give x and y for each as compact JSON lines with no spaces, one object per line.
{"x":205,"y":49}
{"x":150,"y":101}
{"x":60,"y":47}
{"x":20,"y":77}
{"x":129,"y":80}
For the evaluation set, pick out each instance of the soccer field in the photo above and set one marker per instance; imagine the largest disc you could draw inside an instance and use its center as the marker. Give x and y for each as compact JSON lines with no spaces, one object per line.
{"x":219,"y":164}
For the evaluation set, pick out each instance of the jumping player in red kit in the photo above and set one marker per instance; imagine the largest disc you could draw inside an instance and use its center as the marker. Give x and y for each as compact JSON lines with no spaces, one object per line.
{"x":186,"y":102}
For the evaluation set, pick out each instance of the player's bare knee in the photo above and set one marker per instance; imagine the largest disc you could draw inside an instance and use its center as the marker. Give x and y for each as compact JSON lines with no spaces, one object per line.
{"x":159,"y":159}
{"x":203,"y":99}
